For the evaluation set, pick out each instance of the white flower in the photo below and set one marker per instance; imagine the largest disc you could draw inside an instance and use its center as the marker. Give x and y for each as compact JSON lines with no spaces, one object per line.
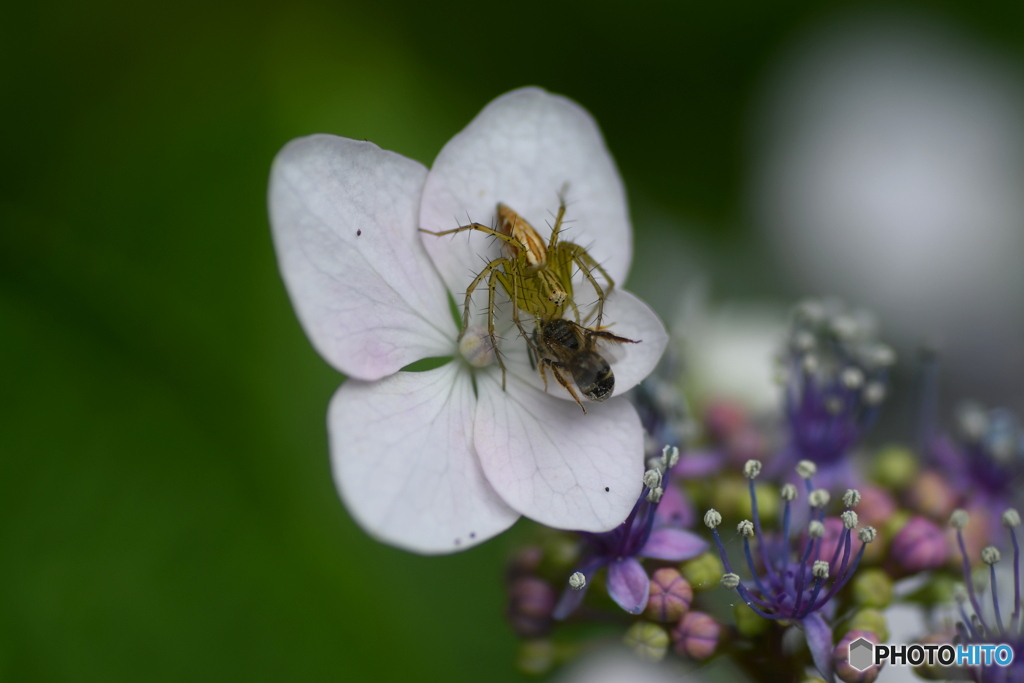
{"x":441,"y":460}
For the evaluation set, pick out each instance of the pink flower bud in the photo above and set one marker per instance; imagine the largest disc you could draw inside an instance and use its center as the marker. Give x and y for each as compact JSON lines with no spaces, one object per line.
{"x":670,"y":596}
{"x":531,"y":602}
{"x":918,"y":546}
{"x":931,"y":495}
{"x":696,"y":635}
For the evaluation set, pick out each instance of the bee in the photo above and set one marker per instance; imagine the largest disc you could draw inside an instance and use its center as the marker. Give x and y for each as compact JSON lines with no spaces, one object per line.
{"x":565,"y":345}
{"x":537,"y":277}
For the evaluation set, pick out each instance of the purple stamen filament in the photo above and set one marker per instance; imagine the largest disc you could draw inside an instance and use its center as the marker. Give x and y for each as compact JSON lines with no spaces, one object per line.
{"x":967,"y":572}
{"x":995,"y":599}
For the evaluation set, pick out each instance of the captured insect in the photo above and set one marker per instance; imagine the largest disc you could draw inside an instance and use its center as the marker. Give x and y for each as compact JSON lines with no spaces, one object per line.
{"x":565,"y":345}
{"x":536,"y":277}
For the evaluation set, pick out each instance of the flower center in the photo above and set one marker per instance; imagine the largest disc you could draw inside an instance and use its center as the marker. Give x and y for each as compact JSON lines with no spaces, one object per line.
{"x":476,"y":347}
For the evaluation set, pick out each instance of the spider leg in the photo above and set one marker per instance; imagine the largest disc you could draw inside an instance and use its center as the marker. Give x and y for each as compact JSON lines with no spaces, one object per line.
{"x":557,"y":227}
{"x":490,"y":268}
{"x":495,"y":273}
{"x":511,"y":285}
{"x":480,"y":228}
{"x":587,"y":265}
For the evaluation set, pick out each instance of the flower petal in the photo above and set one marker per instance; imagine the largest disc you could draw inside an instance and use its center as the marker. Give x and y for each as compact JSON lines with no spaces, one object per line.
{"x":819,"y":640}
{"x":675,"y":508}
{"x":628,"y":585}
{"x":698,"y":465}
{"x":344,"y":217}
{"x":404,"y":464}
{"x":554,"y":464}
{"x":522,"y":150}
{"x":625,"y":316}
{"x":673,"y":544}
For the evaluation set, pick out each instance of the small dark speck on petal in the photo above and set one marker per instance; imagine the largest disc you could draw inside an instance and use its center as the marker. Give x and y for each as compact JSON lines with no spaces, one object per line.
{"x":458,"y":541}
{"x":606,"y":489}
{"x":358,"y":233}
{"x":472,"y":534}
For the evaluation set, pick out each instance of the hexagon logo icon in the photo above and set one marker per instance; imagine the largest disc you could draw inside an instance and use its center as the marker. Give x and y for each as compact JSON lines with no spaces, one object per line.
{"x":862,"y":654}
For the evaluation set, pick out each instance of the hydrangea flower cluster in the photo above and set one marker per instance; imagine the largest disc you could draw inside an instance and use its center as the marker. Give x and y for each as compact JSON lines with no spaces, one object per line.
{"x":990,"y":627}
{"x":835,"y":373}
{"x":789,"y":584}
{"x":985,"y":457}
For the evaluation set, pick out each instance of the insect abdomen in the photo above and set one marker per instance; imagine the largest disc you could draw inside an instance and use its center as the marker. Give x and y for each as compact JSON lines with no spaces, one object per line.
{"x":593,"y":376}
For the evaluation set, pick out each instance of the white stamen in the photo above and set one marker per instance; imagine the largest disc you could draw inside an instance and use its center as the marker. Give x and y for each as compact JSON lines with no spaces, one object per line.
{"x":1011,"y":518}
{"x":849,"y":518}
{"x":959,"y":519}
{"x":883,"y":355}
{"x":577,"y":581}
{"x":803,"y":341}
{"x":751,"y":469}
{"x":973,"y":421}
{"x":852,"y":378}
{"x":712,"y":518}
{"x":789,"y":492}
{"x":670,"y":456}
{"x":806,"y":469}
{"x":874,"y":393}
{"x":809,"y":364}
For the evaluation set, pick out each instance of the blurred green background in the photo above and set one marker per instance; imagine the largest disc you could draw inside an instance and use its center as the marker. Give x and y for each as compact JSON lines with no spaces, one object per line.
{"x":168,"y":511}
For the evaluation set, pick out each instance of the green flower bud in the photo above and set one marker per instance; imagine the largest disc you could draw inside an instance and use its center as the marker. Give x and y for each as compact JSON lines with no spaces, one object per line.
{"x":896,"y":523}
{"x":872,"y":587}
{"x":894,"y":467}
{"x":869,"y":620}
{"x":748,"y":622}
{"x":647,"y":641}
{"x":767,"y":502}
{"x":536,"y":657}
{"x":703,"y":572}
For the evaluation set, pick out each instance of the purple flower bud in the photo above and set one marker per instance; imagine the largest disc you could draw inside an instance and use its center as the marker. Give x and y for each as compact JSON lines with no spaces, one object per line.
{"x":670,"y":596}
{"x":531,"y":602}
{"x":841,"y":656}
{"x":918,"y":546}
{"x":696,"y":635}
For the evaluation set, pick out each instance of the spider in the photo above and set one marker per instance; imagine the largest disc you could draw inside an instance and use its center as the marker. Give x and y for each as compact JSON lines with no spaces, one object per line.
{"x":536,"y":277}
